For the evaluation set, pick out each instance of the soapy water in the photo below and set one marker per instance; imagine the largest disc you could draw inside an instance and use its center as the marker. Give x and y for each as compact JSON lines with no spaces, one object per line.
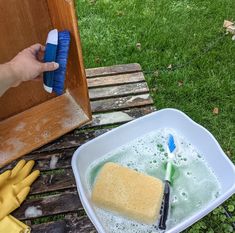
{"x":194,"y":184}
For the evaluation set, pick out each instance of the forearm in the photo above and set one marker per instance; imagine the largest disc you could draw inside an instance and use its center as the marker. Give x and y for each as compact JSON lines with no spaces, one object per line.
{"x":7,"y":78}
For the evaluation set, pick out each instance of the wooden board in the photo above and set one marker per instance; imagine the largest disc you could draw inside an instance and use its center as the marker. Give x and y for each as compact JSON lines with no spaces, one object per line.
{"x":18,"y":31}
{"x":37,"y":126}
{"x":56,"y":184}
{"x":71,"y":223}
{"x":119,"y":79}
{"x":113,"y":70}
{"x":118,"y":91}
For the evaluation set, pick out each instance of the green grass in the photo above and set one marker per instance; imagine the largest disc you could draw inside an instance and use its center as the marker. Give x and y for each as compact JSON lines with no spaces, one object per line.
{"x":187,"y":33}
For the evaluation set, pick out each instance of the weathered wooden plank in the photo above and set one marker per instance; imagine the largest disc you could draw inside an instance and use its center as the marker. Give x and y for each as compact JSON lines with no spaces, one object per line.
{"x":50,"y":205}
{"x":120,"y":103}
{"x":72,"y":140}
{"x":117,"y":91}
{"x":71,"y":224}
{"x":54,"y":182}
{"x":50,"y":227}
{"x":43,"y":160}
{"x":115,"y":80}
{"x":60,"y":180}
{"x":113,"y":70}
{"x":120,"y":116}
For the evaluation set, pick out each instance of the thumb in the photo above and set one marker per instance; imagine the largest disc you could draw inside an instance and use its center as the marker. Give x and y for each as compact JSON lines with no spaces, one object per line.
{"x":49,"y":66}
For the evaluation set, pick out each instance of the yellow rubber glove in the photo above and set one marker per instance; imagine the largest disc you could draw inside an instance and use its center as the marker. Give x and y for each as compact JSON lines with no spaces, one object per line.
{"x":9,"y":224}
{"x":15,"y":186}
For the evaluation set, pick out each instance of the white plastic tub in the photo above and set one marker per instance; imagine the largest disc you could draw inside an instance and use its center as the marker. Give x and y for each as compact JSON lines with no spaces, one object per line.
{"x":171,"y":118}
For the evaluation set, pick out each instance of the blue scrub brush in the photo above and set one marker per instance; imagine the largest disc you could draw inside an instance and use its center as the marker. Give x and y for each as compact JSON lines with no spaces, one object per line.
{"x":169,"y":170}
{"x":57,"y":49}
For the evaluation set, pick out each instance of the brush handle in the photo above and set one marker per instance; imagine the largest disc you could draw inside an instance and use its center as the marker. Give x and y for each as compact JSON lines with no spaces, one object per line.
{"x":165,"y":207}
{"x":49,"y":56}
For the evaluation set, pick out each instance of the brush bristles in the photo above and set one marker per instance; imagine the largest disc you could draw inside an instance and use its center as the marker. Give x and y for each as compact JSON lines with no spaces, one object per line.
{"x":61,"y":58}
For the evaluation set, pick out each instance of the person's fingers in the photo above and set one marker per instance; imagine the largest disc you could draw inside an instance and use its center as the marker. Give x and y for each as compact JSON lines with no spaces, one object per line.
{"x":49,"y":66}
{"x":36,"y":48}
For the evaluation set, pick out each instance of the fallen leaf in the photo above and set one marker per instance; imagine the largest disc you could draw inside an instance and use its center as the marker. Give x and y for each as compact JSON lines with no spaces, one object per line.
{"x":180,"y":83}
{"x":97,"y":60}
{"x":156,"y":73}
{"x":138,"y":46}
{"x":230,"y":27}
{"x":169,"y":67}
{"x":216,"y":111}
{"x":227,"y":23}
{"x":92,"y":1}
{"x":228,"y":153}
{"x":154,"y":89}
{"x":120,"y":13}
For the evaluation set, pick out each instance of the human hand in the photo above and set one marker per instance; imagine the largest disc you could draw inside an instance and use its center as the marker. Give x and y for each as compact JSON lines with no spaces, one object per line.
{"x":15,"y":185}
{"x":28,"y":64}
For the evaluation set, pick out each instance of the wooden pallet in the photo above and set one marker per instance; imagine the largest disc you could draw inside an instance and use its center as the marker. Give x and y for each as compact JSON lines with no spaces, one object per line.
{"x":118,"y":94}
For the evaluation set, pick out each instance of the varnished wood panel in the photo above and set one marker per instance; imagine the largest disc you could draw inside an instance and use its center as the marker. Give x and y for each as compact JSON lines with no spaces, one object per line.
{"x":22,"y":23}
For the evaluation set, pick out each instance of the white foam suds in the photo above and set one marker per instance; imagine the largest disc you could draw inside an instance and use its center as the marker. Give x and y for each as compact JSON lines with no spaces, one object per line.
{"x":33,"y":211}
{"x":20,"y":126}
{"x":53,"y":162}
{"x":144,"y":96}
{"x":147,"y":154}
{"x":109,"y":118}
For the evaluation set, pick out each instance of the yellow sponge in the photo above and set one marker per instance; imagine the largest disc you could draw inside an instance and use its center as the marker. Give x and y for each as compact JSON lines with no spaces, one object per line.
{"x":127,"y":192}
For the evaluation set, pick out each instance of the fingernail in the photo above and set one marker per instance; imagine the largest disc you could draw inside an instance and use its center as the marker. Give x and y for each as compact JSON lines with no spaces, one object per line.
{"x":56,"y":65}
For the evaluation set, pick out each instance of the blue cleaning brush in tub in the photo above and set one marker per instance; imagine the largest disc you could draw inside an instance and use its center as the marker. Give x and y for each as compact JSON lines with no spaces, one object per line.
{"x":57,"y":49}
{"x":171,"y":145}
